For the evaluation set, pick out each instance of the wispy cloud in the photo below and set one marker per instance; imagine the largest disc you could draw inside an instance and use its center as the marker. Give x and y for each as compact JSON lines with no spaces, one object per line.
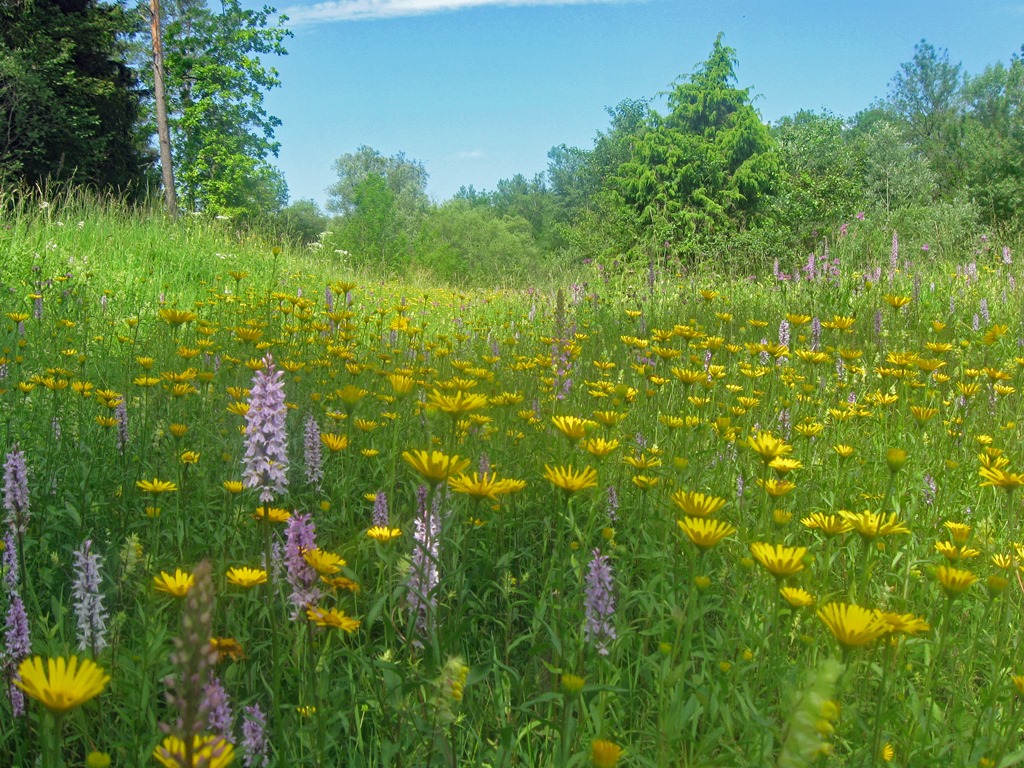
{"x":358,"y":10}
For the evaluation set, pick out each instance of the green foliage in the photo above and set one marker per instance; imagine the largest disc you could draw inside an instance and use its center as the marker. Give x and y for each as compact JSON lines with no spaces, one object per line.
{"x":894,"y":173}
{"x":302,"y":221}
{"x":68,"y":103}
{"x":221,"y":134}
{"x":925,"y":97}
{"x":470,"y":245}
{"x":819,"y":186}
{"x":707,"y":166}
{"x":994,"y":141}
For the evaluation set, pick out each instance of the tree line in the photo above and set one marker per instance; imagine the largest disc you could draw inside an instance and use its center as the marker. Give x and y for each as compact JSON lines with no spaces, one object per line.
{"x":703,"y":174}
{"x":76,"y":100}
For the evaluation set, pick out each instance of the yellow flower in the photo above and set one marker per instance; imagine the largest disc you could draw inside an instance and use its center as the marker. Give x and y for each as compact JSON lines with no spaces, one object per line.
{"x":486,"y":487}
{"x":775,"y":487}
{"x":599,"y":447}
{"x":569,"y":480}
{"x":871,"y":524}
{"x":382,"y":534}
{"x":768,"y":447}
{"x":456,"y":404}
{"x":705,"y":532}
{"x":954,"y":581}
{"x":830,"y":525}
{"x":190,"y":457}
{"x":156,"y":486}
{"x":796,"y":597}
{"x":844,"y":451}
{"x":905,"y":623}
{"x":604,"y":754}
{"x":246,"y":577}
{"x":208,"y":751}
{"x":696,"y":504}
{"x":895,"y":458}
{"x":333,"y":618}
{"x":334,"y":442}
{"x":233,"y":486}
{"x":64,"y":685}
{"x":176,"y":317}
{"x":324,"y":563}
{"x":177,"y":585}
{"x":273,"y":514}
{"x":1000,"y":478}
{"x":852,"y":625}
{"x":434,"y":466}
{"x":781,"y":561}
{"x":572,"y":427}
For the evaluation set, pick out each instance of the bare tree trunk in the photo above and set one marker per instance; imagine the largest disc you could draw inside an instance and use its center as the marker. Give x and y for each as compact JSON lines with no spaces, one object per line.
{"x":163,"y":129}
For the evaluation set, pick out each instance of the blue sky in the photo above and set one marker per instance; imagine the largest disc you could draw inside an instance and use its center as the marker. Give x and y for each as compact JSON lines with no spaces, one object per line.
{"x":480,"y":90}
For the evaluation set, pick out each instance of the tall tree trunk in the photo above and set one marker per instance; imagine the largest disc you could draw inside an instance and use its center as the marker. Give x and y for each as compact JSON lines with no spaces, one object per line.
{"x":163,"y":129}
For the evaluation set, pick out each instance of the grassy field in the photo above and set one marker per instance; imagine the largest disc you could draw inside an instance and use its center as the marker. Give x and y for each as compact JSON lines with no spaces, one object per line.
{"x":662,"y":516}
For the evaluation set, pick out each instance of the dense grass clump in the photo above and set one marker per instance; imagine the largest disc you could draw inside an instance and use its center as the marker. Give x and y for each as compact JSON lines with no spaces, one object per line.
{"x":660,"y":515}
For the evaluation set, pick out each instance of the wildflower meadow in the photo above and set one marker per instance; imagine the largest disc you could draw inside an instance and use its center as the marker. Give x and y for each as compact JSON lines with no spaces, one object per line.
{"x":261,"y":510}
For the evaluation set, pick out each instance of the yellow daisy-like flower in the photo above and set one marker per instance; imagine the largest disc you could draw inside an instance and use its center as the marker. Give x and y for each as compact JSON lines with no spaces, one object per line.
{"x":334,"y":442}
{"x":156,"y":486}
{"x":324,"y":563}
{"x":959,"y":531}
{"x":208,"y":751}
{"x":776,"y":487}
{"x":705,"y":532}
{"x":779,"y":560}
{"x":273,"y":514}
{"x":332,"y":618}
{"x":176,"y":317}
{"x":1018,"y":683}
{"x":190,"y":457}
{"x":64,"y":684}
{"x":852,"y":625}
{"x":599,"y":447}
{"x":572,"y":427}
{"x":782,"y":465}
{"x":569,"y":480}
{"x":434,"y":466}
{"x":999,"y":478}
{"x":246,"y":577}
{"x":604,"y":754}
{"x":830,"y":525}
{"x":227,"y":648}
{"x":796,"y":597}
{"x":233,"y":486}
{"x":844,"y":451}
{"x":871,"y":524}
{"x":479,"y":487}
{"x":697,"y":504}
{"x":954,"y":581}
{"x":456,"y":404}
{"x":768,"y":447}
{"x":341,"y":582}
{"x":177,"y":585}
{"x":383,"y":534}
{"x":904,"y":623}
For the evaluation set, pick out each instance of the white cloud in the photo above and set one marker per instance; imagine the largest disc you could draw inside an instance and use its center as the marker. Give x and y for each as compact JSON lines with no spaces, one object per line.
{"x":357,"y":10}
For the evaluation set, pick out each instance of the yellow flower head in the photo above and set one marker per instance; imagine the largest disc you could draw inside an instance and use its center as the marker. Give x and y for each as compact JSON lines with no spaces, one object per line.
{"x":705,"y":532}
{"x":332,"y":618}
{"x":246,"y":577}
{"x":796,"y":597}
{"x":156,"y":486}
{"x":64,"y":685}
{"x":904,"y":623}
{"x":273,"y":514}
{"x":208,"y":751}
{"x":768,"y":447}
{"x":830,"y":525}
{"x":572,"y":427}
{"x":871,"y":524}
{"x":779,"y":560}
{"x":324,"y":563}
{"x":383,"y":534}
{"x":434,"y":466}
{"x":954,"y":581}
{"x":569,"y":480}
{"x":334,"y":442}
{"x":177,"y":585}
{"x":604,"y":754}
{"x":696,"y":504}
{"x":852,"y":625}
